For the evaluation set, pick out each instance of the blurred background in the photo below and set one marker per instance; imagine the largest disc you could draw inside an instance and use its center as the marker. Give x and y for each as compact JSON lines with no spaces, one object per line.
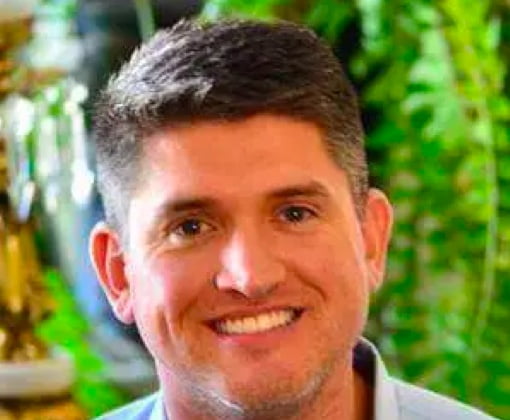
{"x":434,"y":87}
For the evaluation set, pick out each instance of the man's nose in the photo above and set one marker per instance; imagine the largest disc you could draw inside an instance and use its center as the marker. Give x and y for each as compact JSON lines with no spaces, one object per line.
{"x":249,"y":266}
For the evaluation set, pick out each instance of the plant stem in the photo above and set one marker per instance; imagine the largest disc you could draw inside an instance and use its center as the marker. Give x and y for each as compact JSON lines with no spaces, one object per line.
{"x":145,"y":17}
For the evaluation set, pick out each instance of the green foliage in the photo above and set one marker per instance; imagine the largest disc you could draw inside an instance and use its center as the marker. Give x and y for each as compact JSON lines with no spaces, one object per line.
{"x":145,"y":18}
{"x":64,"y":8}
{"x":433,"y":76}
{"x":69,"y":329}
{"x":262,"y":9}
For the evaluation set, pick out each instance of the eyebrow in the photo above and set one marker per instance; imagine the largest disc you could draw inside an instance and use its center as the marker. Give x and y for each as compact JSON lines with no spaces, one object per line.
{"x":311,"y":189}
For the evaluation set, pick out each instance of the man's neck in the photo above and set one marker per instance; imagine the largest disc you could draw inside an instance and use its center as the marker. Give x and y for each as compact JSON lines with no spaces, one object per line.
{"x":349,"y":398}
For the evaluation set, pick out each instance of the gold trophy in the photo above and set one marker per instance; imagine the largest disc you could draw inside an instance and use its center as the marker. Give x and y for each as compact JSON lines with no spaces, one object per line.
{"x":34,"y":380}
{"x":23,"y":301}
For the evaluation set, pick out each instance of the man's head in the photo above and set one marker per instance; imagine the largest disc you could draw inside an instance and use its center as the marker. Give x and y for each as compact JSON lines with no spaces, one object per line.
{"x":223,"y":71}
{"x":232,"y":156}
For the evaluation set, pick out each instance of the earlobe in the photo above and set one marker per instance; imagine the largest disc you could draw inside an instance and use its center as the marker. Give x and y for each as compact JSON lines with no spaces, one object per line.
{"x":108,"y":261}
{"x":377,"y":226}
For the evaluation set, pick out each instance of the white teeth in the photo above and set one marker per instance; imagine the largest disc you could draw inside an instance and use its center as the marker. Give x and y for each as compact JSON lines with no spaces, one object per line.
{"x":255,"y":324}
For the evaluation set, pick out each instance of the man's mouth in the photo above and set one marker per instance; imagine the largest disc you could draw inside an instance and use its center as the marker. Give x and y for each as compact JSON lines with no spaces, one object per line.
{"x":258,"y":323}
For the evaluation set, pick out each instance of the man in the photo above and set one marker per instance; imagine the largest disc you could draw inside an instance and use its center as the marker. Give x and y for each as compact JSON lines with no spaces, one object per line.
{"x":241,"y":234}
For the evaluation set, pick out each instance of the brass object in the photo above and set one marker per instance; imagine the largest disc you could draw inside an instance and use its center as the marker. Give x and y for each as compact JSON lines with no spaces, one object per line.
{"x":3,"y":166}
{"x":13,"y":33}
{"x":59,"y":408}
{"x":24,"y":301}
{"x":14,"y":76}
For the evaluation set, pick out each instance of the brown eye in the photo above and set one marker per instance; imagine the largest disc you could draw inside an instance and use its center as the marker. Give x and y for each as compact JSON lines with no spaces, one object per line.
{"x":297,"y":214}
{"x":190,"y":227}
{"x":188,"y":232}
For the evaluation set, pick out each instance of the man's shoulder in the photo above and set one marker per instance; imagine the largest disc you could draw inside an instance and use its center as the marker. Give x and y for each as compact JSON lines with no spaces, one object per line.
{"x":140,"y":409}
{"x":420,"y":404}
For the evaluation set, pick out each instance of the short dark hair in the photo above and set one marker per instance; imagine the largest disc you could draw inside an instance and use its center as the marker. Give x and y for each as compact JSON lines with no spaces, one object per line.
{"x":227,"y":70}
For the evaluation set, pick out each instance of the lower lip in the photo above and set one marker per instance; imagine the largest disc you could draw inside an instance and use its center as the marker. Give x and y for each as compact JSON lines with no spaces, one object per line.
{"x":261,"y":339}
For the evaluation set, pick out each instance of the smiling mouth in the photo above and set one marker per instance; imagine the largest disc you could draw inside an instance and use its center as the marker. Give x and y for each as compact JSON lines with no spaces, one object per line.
{"x":259,"y":323}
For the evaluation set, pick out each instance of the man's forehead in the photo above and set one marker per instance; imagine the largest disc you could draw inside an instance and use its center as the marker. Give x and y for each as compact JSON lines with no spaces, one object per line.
{"x":255,"y":140}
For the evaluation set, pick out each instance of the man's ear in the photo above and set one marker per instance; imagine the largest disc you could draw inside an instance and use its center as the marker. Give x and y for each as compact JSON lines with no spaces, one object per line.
{"x":377,"y":223}
{"x":108,"y":260}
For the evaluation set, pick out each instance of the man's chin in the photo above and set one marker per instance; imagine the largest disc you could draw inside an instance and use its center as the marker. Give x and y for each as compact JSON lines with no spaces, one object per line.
{"x":263,"y":397}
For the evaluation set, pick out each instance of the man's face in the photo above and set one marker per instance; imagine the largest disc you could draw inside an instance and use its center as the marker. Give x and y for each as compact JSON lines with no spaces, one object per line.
{"x":247,"y":270}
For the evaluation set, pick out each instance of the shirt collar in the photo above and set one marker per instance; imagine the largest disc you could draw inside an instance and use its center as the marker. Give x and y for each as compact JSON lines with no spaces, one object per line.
{"x":369,"y":363}
{"x":158,"y":411}
{"x":385,"y":399}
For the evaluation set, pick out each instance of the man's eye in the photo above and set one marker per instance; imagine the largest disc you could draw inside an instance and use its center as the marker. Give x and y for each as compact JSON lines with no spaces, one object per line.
{"x":189,"y":230}
{"x":190,"y":227}
{"x":297,"y":214}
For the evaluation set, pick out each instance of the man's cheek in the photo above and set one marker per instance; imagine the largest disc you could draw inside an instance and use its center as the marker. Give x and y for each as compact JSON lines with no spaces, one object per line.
{"x":176,"y":284}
